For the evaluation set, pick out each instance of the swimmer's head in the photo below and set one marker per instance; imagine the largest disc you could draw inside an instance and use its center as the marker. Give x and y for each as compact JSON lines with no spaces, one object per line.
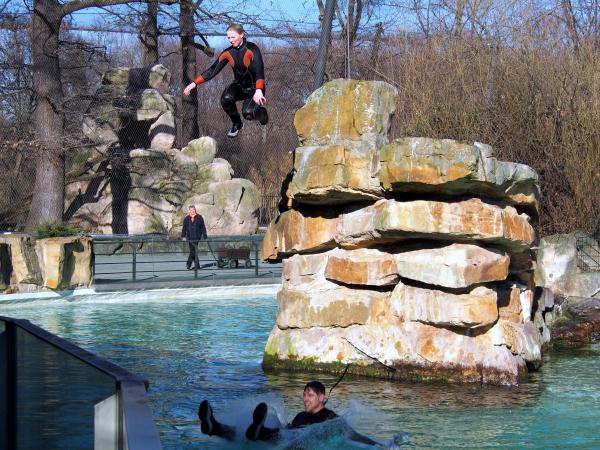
{"x":314,"y":397}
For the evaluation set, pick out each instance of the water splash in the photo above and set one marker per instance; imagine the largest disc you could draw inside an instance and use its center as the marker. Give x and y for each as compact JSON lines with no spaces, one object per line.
{"x":200,"y":347}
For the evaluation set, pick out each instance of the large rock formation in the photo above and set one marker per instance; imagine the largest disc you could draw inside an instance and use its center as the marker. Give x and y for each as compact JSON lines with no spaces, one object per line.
{"x":568,"y":265}
{"x":132,"y":106}
{"x":576,"y":321}
{"x":568,"y":269}
{"x":132,"y":181}
{"x":407,"y":259}
{"x":19,"y":260}
{"x":28,"y":264}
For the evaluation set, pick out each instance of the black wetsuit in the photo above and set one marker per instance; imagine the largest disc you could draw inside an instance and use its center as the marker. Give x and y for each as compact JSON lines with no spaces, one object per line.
{"x":249,"y":75}
{"x":301,"y":420}
{"x":304,"y":418}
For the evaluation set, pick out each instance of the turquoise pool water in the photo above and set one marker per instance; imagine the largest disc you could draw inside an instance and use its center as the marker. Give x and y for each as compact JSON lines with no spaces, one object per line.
{"x":196,"y":344}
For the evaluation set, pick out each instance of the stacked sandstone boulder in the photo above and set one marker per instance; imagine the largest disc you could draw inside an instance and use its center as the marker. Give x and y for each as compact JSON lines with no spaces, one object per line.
{"x":134,"y":102}
{"x":409,"y":259}
{"x":567,"y":270}
{"x":28,"y":264}
{"x":133,"y":181}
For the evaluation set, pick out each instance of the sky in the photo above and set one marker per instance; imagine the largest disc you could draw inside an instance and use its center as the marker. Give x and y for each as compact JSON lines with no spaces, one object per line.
{"x":298,"y":11}
{"x":301,"y":15}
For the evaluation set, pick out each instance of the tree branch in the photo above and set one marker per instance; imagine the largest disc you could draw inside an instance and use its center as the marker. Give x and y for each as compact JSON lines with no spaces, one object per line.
{"x":208,"y":51}
{"x":321,"y":7}
{"x":76,"y":5}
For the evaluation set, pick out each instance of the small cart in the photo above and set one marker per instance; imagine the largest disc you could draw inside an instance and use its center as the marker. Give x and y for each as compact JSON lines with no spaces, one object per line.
{"x":230,"y":257}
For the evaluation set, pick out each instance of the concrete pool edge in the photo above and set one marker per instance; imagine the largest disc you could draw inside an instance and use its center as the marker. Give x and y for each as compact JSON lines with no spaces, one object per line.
{"x":238,"y":289}
{"x":193,"y":283}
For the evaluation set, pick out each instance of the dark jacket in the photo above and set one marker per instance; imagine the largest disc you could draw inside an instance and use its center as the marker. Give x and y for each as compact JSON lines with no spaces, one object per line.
{"x":246,"y":62}
{"x":193,"y":230}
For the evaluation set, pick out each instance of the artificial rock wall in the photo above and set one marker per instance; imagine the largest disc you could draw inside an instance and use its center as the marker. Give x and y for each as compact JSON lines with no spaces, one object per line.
{"x":133,"y":180}
{"x":409,"y":259}
{"x":28,"y":264}
{"x":567,"y":271}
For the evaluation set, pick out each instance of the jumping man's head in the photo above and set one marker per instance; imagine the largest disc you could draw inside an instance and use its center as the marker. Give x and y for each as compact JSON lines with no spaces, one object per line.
{"x":192,"y":210}
{"x":314,"y":397}
{"x":235,"y":34}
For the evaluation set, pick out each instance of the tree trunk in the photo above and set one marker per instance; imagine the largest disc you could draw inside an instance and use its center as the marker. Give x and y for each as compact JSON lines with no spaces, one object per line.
{"x":458,"y":18}
{"x":376,"y":46}
{"x":324,"y":41}
{"x":48,"y":193}
{"x":149,"y":34}
{"x":571,"y":21}
{"x":189,"y":104}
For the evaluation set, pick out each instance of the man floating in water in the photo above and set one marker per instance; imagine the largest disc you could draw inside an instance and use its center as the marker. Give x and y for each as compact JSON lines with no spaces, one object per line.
{"x":249,"y":83}
{"x":314,"y":412}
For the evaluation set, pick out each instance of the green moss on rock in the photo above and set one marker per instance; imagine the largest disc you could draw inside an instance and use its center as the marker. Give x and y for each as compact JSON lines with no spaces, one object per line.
{"x":405,"y":372}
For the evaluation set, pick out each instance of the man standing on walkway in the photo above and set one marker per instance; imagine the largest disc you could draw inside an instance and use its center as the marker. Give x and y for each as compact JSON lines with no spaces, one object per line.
{"x":193,"y":230}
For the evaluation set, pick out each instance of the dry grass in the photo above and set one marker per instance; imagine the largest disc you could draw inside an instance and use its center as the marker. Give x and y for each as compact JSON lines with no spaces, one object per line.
{"x":535,"y":100}
{"x":536,"y":103}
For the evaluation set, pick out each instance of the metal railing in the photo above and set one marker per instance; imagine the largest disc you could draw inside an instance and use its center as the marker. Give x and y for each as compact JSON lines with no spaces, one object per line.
{"x":588,"y":254}
{"x":156,"y":258}
{"x":54,"y":394}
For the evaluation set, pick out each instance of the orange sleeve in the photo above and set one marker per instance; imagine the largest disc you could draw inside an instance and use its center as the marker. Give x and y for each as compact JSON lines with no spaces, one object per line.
{"x":214,"y":69}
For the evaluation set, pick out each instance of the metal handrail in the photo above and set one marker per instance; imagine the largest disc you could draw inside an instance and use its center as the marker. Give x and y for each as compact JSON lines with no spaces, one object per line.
{"x":140,"y":432}
{"x":118,"y":238}
{"x":588,"y":254}
{"x":154,"y":257}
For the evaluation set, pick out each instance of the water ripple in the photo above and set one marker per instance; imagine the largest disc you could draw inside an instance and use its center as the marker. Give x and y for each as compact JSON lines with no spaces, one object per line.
{"x":192,"y":346}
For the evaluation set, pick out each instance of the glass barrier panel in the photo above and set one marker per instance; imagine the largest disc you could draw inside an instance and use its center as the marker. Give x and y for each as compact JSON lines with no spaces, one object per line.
{"x":3,"y":385}
{"x":55,"y":396}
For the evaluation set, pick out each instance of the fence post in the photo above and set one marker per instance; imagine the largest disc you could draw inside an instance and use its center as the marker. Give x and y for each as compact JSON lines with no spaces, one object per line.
{"x":255,"y":259}
{"x":133,"y":263}
{"x":152,"y":254}
{"x":93,"y":261}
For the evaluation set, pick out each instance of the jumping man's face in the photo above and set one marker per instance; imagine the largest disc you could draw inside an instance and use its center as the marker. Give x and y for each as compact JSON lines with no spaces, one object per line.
{"x":235,"y":38}
{"x":313,"y":401}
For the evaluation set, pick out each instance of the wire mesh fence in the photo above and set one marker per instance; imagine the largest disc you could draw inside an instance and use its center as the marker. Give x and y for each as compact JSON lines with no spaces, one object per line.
{"x":154,"y":258}
{"x":588,"y":254}
{"x":17,"y":165}
{"x":102,"y":173}
{"x":262,"y":154}
{"x":508,"y":91}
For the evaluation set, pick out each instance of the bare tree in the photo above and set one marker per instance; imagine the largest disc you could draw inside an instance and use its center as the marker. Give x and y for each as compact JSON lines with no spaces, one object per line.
{"x":49,"y":98}
{"x":581,"y":19}
{"x":189,"y":104}
{"x":351,"y":15}
{"x":149,"y":34}
{"x":15,"y":75}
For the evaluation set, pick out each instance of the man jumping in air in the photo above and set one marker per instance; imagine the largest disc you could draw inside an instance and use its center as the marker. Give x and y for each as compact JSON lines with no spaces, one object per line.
{"x":249,"y":84}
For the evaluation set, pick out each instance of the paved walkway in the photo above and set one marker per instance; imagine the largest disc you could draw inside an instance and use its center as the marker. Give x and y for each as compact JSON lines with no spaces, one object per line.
{"x":158,"y":270}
